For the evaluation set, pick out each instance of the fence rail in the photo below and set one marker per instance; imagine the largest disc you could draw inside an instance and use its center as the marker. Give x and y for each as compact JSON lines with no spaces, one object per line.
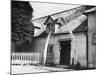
{"x":25,"y":58}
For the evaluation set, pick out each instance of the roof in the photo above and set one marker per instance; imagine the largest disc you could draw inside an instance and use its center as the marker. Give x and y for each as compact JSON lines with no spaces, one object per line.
{"x":82,"y":28}
{"x":43,"y":34}
{"x":36,"y":27}
{"x":79,"y":24}
{"x":90,"y":10}
{"x":79,"y":7}
{"x":48,"y":20}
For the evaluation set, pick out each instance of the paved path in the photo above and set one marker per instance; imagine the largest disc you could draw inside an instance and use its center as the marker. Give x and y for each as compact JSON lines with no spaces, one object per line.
{"x":34,"y":69}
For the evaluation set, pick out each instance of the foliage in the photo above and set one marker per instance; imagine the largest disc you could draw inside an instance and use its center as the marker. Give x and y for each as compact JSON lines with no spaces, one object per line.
{"x":22,"y":29}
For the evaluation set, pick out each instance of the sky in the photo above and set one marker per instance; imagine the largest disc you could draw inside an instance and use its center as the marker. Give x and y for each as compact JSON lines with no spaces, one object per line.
{"x":44,"y":9}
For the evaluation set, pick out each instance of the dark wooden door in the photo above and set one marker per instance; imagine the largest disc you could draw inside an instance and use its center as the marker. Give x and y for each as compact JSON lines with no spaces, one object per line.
{"x":65,"y":52}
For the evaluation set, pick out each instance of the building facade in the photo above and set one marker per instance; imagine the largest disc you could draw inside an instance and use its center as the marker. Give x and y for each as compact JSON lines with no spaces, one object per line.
{"x":71,"y":41}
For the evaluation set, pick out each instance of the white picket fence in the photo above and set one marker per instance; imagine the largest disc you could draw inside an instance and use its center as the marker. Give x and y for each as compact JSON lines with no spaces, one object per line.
{"x":25,"y":58}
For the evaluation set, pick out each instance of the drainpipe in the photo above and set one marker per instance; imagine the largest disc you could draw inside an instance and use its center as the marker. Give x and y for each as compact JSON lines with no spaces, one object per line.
{"x":45,"y":49}
{"x":74,"y":48}
{"x":86,"y":33}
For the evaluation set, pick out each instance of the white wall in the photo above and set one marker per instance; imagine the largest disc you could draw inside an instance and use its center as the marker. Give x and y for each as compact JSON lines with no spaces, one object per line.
{"x":80,"y":41}
{"x":92,"y":48}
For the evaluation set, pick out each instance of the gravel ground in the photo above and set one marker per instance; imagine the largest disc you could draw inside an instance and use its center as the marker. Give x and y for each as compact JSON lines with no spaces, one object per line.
{"x":17,"y":69}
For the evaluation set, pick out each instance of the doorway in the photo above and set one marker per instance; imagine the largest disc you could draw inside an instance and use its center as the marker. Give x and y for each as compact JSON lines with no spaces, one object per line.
{"x":65,"y":49}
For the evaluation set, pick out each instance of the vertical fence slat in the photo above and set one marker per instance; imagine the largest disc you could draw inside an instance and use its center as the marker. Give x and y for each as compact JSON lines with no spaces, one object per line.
{"x":25,"y":58}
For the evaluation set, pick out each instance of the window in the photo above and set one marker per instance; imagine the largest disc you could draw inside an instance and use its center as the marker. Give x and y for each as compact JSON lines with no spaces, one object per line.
{"x":50,"y":48}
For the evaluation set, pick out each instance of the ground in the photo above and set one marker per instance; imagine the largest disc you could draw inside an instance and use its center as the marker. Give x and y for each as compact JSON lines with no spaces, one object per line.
{"x":18,"y":69}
